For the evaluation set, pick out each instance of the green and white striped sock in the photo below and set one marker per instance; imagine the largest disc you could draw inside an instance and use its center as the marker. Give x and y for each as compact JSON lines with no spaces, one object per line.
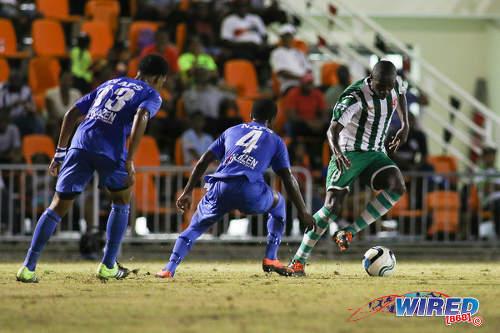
{"x":377,"y":207}
{"x":323,"y":219}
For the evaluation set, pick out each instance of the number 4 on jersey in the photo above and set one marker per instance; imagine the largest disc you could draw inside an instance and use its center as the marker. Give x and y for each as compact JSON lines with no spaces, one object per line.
{"x":249,"y":141}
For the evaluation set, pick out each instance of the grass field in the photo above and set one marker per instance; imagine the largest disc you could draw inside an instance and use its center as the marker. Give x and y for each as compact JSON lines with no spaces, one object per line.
{"x":236,"y":297}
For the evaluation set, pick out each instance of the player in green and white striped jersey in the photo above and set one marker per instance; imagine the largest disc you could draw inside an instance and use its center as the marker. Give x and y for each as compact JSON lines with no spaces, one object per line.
{"x":356,"y":136}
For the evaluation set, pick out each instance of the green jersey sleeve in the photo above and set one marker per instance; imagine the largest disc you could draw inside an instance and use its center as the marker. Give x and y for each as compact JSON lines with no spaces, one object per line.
{"x":345,"y":108}
{"x":399,"y":86}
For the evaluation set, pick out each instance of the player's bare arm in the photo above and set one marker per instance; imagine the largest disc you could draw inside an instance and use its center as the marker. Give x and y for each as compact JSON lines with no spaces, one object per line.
{"x":293,"y":192}
{"x":138,"y":127}
{"x":401,"y":135}
{"x":184,"y":201}
{"x":70,"y":121}
{"x":341,"y":160}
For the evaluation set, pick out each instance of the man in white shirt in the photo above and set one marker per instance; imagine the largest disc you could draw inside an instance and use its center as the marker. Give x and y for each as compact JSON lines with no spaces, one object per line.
{"x":244,"y":34}
{"x":289,"y":64}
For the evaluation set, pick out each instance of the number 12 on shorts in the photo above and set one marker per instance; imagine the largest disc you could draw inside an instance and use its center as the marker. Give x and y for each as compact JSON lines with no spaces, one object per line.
{"x":249,"y":141}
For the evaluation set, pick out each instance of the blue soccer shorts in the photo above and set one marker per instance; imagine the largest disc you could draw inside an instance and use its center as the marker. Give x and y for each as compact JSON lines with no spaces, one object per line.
{"x":78,"y":168}
{"x":225,"y":195}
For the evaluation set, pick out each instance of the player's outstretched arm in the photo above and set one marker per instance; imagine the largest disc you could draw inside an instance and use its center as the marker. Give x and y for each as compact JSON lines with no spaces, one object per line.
{"x":341,"y":161}
{"x":199,"y":170}
{"x":293,"y":192}
{"x":141,"y":119}
{"x":69,"y":123}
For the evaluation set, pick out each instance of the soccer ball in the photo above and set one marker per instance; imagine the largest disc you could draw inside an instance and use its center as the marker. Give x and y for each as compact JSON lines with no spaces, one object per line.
{"x":379,"y":261}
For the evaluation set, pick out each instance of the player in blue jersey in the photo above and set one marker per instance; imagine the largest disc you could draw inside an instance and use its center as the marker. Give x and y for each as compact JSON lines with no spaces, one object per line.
{"x":116,"y":109}
{"x":246,"y":151}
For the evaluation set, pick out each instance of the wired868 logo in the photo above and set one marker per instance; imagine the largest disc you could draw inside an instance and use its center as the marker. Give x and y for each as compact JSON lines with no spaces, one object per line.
{"x":423,"y":304}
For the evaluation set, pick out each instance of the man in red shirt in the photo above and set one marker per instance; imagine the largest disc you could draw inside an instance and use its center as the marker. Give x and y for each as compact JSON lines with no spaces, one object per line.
{"x":163,"y":47}
{"x":306,"y":108}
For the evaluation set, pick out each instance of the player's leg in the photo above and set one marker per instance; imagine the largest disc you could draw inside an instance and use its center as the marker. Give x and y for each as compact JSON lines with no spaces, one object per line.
{"x":115,"y":178}
{"x":390,"y":182}
{"x":210,"y":210}
{"x":326,"y":215}
{"x":74,"y":175}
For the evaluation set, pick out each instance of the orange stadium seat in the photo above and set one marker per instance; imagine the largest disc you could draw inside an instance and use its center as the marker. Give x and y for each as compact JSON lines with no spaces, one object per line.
{"x":146,"y":195}
{"x":180,"y":36}
{"x":8,"y":35}
{"x":444,"y":206}
{"x":401,"y":209}
{"x":104,"y":10}
{"x":196,"y":197}
{"x":326,"y":154}
{"x":241,"y":74}
{"x":300,"y":45}
{"x":329,"y":73}
{"x":48,"y":38}
{"x":444,"y":164}
{"x":133,"y":66}
{"x":281,"y":117}
{"x":101,"y":38}
{"x":135,"y":30}
{"x":179,"y":157}
{"x":43,"y":73}
{"x":245,"y":107}
{"x":4,"y":70}
{"x":40,"y":102}
{"x":37,"y":144}
{"x":56,"y":9}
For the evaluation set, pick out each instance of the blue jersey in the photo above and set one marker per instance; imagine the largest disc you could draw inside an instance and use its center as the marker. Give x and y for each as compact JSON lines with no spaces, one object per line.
{"x":248,"y":150}
{"x":110,"y":111}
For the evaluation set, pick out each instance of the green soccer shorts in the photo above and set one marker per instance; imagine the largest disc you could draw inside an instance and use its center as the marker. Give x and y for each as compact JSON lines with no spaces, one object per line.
{"x":364,"y":165}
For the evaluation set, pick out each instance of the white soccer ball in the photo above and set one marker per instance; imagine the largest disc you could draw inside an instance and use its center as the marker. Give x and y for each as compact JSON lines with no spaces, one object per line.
{"x":379,"y":261}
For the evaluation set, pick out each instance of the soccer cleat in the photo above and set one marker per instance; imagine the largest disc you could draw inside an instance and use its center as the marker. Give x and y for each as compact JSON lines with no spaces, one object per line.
{"x":275,"y":265}
{"x":343,"y":239}
{"x":164,"y":274}
{"x":117,"y":272}
{"x":26,"y":276}
{"x":297,"y":267}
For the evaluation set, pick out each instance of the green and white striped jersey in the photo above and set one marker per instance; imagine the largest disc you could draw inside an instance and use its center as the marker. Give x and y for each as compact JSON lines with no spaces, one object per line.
{"x":365,"y":118}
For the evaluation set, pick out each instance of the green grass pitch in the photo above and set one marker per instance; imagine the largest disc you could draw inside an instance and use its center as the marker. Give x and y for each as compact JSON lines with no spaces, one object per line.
{"x":236,"y":297}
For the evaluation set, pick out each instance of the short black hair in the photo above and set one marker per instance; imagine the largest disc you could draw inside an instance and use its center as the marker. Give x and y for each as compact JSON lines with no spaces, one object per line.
{"x":153,"y":65}
{"x":264,"y":109}
{"x":197,"y":113}
{"x":384,"y":69}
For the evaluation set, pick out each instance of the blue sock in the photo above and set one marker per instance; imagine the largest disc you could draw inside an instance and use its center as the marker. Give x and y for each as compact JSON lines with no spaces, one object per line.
{"x":44,"y":229}
{"x":275,"y":228}
{"x":115,"y":229}
{"x":185,"y":242}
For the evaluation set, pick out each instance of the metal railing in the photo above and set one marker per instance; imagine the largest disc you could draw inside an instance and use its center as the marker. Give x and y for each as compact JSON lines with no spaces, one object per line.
{"x":28,"y":189}
{"x":437,"y":208}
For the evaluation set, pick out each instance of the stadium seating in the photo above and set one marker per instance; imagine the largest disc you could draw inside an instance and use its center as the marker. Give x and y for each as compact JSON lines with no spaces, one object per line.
{"x":37,"y":144}
{"x":135,"y":30}
{"x":196,"y":197}
{"x":474,"y":205}
{"x":146,"y":195}
{"x":443,"y":207}
{"x":245,"y":108}
{"x":133,"y":66}
{"x":56,"y":9}
{"x":101,"y":38}
{"x":401,"y":209}
{"x":8,"y":36}
{"x":180,"y":36}
{"x":443,"y":163}
{"x":48,"y":38}
{"x":300,"y":45}
{"x":329,"y":73}
{"x":241,"y":75}
{"x":43,"y":74}
{"x":104,"y":10}
{"x":179,"y":157}
{"x":4,"y":70}
{"x":281,"y":117}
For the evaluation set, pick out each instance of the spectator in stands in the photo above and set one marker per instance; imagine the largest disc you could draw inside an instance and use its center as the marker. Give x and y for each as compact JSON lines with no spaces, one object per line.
{"x":306,"y":108}
{"x":275,"y":14}
{"x":163,"y":46}
{"x":490,"y":185}
{"x":333,"y":93}
{"x":10,"y":141}
{"x":194,"y":60}
{"x":58,"y":100}
{"x":16,"y":101}
{"x":289,"y":64}
{"x":167,"y":11}
{"x":81,"y":64}
{"x":415,"y":99}
{"x":203,"y":21}
{"x":412,"y":156}
{"x":244,"y":36}
{"x":194,"y":141}
{"x":206,"y":97}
